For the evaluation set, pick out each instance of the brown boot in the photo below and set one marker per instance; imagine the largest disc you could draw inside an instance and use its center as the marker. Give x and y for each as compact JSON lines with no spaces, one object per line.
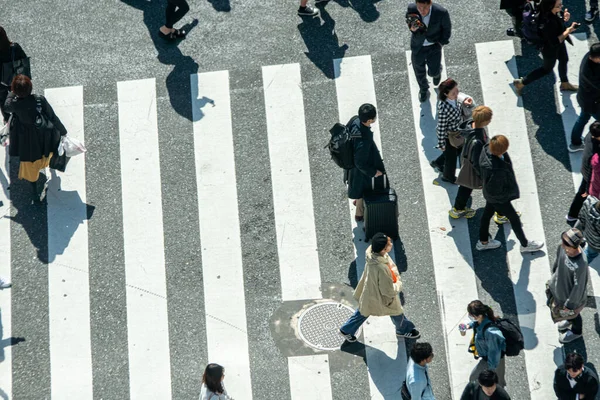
{"x":519,"y":85}
{"x":567,"y":87}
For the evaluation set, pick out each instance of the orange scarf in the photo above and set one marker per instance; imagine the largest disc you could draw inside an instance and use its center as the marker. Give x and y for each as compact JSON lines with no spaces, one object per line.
{"x":394,"y":278}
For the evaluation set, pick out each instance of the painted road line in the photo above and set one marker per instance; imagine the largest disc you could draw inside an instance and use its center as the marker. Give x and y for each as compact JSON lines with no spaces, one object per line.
{"x":497,"y":70}
{"x":386,"y":354}
{"x":450,"y":239}
{"x":147,"y":318}
{"x":292,"y":190}
{"x":68,"y":266}
{"x":5,"y":272}
{"x":224,"y":299}
{"x":310,"y":378}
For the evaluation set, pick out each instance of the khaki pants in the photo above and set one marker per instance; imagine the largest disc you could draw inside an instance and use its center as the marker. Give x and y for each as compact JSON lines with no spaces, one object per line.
{"x":482,"y":365}
{"x":360,"y":208}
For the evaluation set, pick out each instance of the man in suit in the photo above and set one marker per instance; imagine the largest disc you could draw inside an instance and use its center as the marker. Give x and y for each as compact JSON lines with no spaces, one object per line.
{"x":431,"y":29}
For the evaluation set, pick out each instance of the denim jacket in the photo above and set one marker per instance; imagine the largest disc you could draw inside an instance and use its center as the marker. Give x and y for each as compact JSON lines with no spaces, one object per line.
{"x":417,"y":382}
{"x":490,"y":345}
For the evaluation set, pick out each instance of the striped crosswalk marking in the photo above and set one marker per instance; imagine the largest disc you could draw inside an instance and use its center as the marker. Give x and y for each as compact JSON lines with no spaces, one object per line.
{"x":497,"y":69}
{"x":309,"y":376}
{"x":147,"y":320}
{"x":450,"y":242}
{"x":5,"y":267}
{"x":68,"y":272}
{"x":222,"y":269}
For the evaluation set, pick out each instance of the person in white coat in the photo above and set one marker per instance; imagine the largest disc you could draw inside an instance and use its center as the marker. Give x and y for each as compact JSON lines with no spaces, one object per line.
{"x":212,"y":383}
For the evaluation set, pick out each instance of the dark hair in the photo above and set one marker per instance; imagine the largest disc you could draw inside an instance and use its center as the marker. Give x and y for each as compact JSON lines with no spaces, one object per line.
{"x":424,"y":1}
{"x":445,"y":88}
{"x":420,"y":352}
{"x":4,"y":42}
{"x":21,"y":85}
{"x":487,"y":378}
{"x":574,"y":361}
{"x":212,"y":378}
{"x":366,"y":112}
{"x":476,"y":308}
{"x":546,"y":7}
{"x":595,"y":129}
{"x":595,"y":50}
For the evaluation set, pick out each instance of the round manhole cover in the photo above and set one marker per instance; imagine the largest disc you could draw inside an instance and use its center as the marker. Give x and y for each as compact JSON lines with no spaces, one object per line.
{"x":320,"y":323}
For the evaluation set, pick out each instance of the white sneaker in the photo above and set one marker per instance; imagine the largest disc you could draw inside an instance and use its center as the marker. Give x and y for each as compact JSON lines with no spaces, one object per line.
{"x":568,"y":337}
{"x":490,"y":245}
{"x":564,"y":326}
{"x":4,"y":283}
{"x":532,"y":246}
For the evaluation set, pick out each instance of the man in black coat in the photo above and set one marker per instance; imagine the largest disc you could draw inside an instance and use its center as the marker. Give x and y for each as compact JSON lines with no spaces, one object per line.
{"x":368,"y":163}
{"x":591,"y":146}
{"x":588,"y":95}
{"x":573,"y":378}
{"x":431,"y":29}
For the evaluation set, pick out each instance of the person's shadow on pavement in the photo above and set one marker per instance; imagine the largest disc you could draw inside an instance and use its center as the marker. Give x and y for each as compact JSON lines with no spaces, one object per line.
{"x":366,"y":9}
{"x":5,"y":342}
{"x":322,"y":42}
{"x":221,"y":5}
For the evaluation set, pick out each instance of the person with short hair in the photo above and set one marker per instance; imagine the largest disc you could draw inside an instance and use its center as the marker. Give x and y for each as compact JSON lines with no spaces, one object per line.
{"x":417,"y":381}
{"x":591,"y":146}
{"x":8,"y":51}
{"x":589,"y":224}
{"x":568,"y":286}
{"x":368,"y":163}
{"x":588,"y":95}
{"x":212,"y":383}
{"x":499,"y":189}
{"x":573,"y":380}
{"x":486,"y":388}
{"x":431,"y":29}
{"x":378,"y":292}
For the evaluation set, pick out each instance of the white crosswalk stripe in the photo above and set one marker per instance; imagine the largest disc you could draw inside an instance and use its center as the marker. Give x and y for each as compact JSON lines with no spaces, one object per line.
{"x":300,"y":272}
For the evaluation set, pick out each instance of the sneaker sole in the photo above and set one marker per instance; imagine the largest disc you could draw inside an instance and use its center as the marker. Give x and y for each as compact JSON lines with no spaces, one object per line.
{"x":571,"y":340}
{"x":308,"y":15}
{"x":531,"y":250}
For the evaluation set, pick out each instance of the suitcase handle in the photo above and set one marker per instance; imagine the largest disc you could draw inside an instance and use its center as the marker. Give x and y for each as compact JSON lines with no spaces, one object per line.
{"x":386,"y":182}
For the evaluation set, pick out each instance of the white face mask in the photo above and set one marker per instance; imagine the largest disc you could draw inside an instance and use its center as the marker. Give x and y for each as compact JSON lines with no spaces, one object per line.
{"x":471,"y":318}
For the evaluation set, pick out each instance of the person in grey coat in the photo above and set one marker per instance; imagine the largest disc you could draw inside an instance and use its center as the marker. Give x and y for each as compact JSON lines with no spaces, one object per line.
{"x":591,"y":147}
{"x":568,"y":286}
{"x":589,"y":223}
{"x":368,"y":163}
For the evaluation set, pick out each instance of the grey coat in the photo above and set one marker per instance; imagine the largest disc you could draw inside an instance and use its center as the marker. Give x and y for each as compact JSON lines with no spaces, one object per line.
{"x":367,"y":160}
{"x":569,"y":280}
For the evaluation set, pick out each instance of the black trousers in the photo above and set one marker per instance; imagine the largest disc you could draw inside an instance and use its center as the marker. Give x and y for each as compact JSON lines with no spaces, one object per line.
{"x":462,"y":196}
{"x":516,"y":15}
{"x":551,"y":54}
{"x":577,"y":325}
{"x":427,"y":60}
{"x":507,"y":210}
{"x":448,"y":160}
{"x":3,"y":96}
{"x":176,"y":9}
{"x":578,"y":199}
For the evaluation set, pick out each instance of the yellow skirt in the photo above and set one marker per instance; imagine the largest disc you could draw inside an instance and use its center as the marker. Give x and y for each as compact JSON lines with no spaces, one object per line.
{"x":31,"y":170}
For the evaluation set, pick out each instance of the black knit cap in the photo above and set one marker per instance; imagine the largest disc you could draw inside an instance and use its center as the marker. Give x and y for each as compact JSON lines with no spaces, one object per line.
{"x":378,"y":242}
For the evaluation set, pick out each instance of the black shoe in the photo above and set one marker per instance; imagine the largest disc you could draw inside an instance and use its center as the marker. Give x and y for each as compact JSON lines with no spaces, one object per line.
{"x":591,"y":15}
{"x":450,"y":180}
{"x":348,"y":337}
{"x":436,"y":80}
{"x":423,"y":95}
{"x":308,"y":11}
{"x":436,"y":167}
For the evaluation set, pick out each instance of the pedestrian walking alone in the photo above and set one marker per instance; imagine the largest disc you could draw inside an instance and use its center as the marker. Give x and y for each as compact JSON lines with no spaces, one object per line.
{"x":591,"y":146}
{"x":554,"y":34}
{"x":449,"y":118}
{"x":486,"y":388}
{"x":499,"y":189}
{"x":417,"y":383}
{"x":589,"y":224}
{"x":378,"y":292}
{"x":588,"y":95}
{"x":9,"y":51}
{"x":368,"y":163}
{"x":176,"y":9}
{"x":212,"y":383}
{"x":34,"y":145}
{"x":566,"y":289}
{"x":469,"y":178}
{"x":574,"y":381}
{"x":431,"y":30}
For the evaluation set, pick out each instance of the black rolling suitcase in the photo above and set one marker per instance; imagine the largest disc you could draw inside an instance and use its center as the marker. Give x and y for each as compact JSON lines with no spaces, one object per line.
{"x":381,"y":210}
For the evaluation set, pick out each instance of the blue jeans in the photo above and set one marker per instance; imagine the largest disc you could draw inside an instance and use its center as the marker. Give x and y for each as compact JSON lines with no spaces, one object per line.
{"x":577,"y":131}
{"x":403,"y":325}
{"x":590,"y":253}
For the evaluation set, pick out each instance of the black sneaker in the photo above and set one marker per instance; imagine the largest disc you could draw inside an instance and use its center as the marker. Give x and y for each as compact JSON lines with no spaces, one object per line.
{"x":436,"y":167}
{"x":591,"y":15}
{"x":414,"y":334}
{"x":436,"y":80}
{"x":348,"y":337}
{"x":423,"y":95}
{"x":308,"y":11}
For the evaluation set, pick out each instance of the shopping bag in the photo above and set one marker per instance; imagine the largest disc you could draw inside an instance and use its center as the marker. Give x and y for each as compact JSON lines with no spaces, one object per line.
{"x":70,"y":147}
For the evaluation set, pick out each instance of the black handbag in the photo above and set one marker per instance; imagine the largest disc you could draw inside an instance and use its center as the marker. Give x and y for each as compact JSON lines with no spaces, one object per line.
{"x":59,"y":163}
{"x":14,"y":67}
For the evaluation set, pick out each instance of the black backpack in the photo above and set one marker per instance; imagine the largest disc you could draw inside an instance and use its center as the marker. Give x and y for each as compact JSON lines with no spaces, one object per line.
{"x":532,"y":24}
{"x":512,"y":334}
{"x":341,"y":145}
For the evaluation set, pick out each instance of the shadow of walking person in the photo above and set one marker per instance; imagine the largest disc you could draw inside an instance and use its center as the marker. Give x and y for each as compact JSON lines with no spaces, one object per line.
{"x":322,"y":42}
{"x":366,"y":9}
{"x":5,"y":342}
{"x":178,"y":81}
{"x":221,"y":5}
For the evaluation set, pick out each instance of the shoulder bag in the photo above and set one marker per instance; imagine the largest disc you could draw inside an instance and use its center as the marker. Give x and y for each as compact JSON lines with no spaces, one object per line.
{"x":15,"y":67}
{"x":467,"y":176}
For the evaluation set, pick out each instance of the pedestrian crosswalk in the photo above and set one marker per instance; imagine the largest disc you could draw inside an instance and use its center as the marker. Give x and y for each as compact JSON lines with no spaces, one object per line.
{"x":144,"y":219}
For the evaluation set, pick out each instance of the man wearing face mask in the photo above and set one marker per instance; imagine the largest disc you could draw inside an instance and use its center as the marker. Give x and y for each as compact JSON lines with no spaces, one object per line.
{"x":486,"y":388}
{"x":573,"y":381}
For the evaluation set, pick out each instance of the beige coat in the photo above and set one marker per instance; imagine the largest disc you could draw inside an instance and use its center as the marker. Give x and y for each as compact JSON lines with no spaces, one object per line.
{"x":376,"y":293}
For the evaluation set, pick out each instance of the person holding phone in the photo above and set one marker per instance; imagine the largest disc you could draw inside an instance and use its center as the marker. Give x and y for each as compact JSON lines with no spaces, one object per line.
{"x":554,"y":34}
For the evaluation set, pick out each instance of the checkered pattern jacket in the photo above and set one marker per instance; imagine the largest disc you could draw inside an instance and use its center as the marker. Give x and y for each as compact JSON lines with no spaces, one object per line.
{"x":448,"y":120}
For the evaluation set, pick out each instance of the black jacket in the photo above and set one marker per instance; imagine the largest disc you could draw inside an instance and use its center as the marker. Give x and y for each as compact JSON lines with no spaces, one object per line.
{"x":367,"y":160}
{"x":438,"y":31}
{"x":552,"y":27}
{"x":588,"y":95}
{"x":587,"y":384}
{"x":474,"y":392}
{"x":6,"y":55}
{"x":499,"y":181}
{"x":590,"y":147}
{"x":505,"y":4}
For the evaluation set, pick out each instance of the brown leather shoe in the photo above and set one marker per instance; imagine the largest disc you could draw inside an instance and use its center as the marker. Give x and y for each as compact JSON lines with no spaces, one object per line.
{"x":568,"y":87}
{"x":519,"y":85}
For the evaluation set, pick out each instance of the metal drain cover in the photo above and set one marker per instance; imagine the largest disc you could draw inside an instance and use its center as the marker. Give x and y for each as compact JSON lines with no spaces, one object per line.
{"x":319,"y":325}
